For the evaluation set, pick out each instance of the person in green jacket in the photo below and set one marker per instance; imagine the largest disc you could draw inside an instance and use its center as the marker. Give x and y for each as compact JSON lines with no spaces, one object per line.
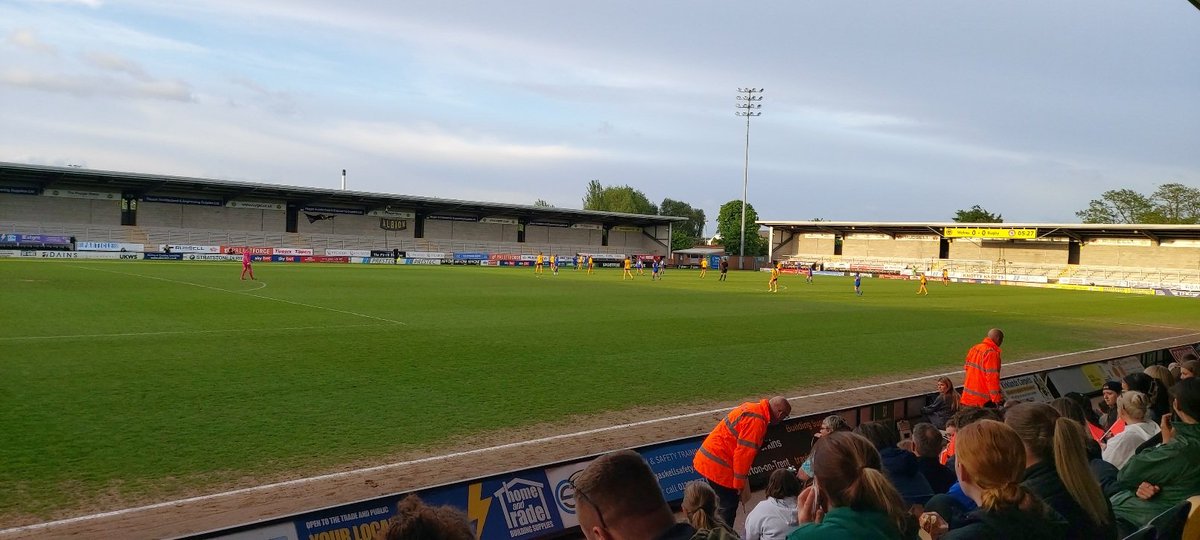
{"x":850,"y":497}
{"x":1159,"y":478}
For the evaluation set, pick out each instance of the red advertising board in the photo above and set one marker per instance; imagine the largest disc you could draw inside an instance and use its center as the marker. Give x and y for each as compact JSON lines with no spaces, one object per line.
{"x":254,"y":250}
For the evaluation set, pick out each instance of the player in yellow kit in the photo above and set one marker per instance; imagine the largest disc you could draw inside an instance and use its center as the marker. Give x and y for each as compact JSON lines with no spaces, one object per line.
{"x":591,"y":264}
{"x":945,"y":277}
{"x":703,"y":266}
{"x":922,"y":289}
{"x":773,"y":285}
{"x":537,"y":265}
{"x":627,"y":273}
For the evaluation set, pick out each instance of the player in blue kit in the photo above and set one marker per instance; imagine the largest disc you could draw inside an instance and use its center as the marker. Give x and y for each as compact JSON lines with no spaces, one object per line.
{"x":858,"y":284}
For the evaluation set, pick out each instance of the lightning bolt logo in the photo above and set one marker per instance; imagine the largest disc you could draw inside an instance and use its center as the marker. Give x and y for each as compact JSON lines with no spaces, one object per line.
{"x":477,"y":507}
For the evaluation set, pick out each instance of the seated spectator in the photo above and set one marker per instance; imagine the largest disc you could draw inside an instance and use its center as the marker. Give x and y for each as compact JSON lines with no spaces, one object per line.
{"x":830,"y":424}
{"x":850,"y":497}
{"x":944,"y":404}
{"x":414,"y":520}
{"x":775,"y":517}
{"x":956,"y":503}
{"x":899,"y":465}
{"x":1108,"y":405}
{"x":990,"y":464}
{"x":1157,"y":479}
{"x":1103,"y":471}
{"x":1145,"y":384}
{"x":1081,"y":411}
{"x":617,"y":496}
{"x":1188,"y":369}
{"x":1131,"y":407}
{"x":1056,"y":469}
{"x":1159,"y":396}
{"x":928,"y":442}
{"x":700,"y":506}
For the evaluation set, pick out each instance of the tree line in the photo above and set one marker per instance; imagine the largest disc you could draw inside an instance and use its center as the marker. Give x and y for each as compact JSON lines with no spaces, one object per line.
{"x":626,"y":199}
{"x":1173,"y":203}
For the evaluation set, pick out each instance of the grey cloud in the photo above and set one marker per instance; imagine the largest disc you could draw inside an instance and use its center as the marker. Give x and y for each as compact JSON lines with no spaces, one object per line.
{"x":27,"y":39}
{"x":116,"y":63}
{"x":81,"y":86}
{"x":275,"y":101}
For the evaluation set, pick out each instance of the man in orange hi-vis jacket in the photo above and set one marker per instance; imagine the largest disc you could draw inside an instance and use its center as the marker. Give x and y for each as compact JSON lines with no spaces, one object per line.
{"x":982,"y":382}
{"x":727,"y":453}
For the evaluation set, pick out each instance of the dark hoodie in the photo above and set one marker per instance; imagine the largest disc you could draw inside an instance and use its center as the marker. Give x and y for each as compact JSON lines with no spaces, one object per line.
{"x":1009,"y":524}
{"x":1042,"y":479}
{"x":901,"y":467}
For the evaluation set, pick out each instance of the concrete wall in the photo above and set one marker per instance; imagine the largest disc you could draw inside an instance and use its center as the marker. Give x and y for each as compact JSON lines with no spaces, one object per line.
{"x":1140,"y":256}
{"x":190,"y":216}
{"x":42,"y":209}
{"x":1016,"y":251}
{"x":869,"y":246}
{"x":570,"y":236}
{"x":366,"y":226}
{"x":804,"y":245}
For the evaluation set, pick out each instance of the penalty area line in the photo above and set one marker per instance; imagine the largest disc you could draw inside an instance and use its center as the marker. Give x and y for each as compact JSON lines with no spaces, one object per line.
{"x":519,"y":444}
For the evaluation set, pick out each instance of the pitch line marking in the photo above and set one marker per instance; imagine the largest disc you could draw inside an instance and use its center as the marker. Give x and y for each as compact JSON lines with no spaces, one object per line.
{"x":246,"y":292}
{"x":187,"y":332}
{"x":507,"y":446}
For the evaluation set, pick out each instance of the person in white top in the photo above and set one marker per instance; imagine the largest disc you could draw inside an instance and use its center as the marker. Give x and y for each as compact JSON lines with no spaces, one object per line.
{"x":1131,"y":407}
{"x":775,"y":517}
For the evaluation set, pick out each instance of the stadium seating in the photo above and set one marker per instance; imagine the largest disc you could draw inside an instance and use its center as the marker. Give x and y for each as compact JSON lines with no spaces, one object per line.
{"x":154,"y":236}
{"x":1169,"y":525}
{"x":1145,"y":278}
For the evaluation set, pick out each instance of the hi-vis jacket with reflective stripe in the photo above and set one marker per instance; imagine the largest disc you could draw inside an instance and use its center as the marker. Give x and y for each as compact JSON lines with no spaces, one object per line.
{"x":729,"y":450}
{"x":982,"y":383}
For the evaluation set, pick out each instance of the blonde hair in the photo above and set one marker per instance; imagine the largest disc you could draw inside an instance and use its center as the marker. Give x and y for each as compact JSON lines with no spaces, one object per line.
{"x":700,"y":504}
{"x":1053,"y":437}
{"x":992,"y":454}
{"x":1134,"y":404}
{"x":1165,"y":379}
{"x":848,"y":470}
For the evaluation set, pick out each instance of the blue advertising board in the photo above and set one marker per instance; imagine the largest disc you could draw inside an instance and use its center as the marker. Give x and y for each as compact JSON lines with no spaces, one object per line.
{"x":163,"y":256}
{"x":672,"y":465}
{"x":470,"y":256}
{"x":516,"y":506}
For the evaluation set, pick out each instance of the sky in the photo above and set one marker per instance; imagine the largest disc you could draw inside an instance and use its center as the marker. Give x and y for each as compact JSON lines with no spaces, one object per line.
{"x":873,"y":111}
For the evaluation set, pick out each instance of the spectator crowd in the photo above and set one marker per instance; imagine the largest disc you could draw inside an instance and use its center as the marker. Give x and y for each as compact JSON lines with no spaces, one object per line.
{"x":990,"y":469}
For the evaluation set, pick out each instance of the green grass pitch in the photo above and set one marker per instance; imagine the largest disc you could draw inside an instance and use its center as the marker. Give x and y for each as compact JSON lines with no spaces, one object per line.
{"x":169,"y":378}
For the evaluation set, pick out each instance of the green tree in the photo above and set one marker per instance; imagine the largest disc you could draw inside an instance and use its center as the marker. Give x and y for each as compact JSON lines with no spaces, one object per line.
{"x":542,"y":203}
{"x":976,"y":214}
{"x":729,"y":226}
{"x":686,"y":234}
{"x":1176,"y":203}
{"x":617,"y":199}
{"x":1118,"y":206}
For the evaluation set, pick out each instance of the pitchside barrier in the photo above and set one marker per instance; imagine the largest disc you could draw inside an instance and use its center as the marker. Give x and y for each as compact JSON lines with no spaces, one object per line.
{"x":539,"y":502}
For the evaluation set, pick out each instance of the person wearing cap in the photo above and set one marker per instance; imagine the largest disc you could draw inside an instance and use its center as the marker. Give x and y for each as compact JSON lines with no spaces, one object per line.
{"x":725,"y":457}
{"x":1108,"y":407}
